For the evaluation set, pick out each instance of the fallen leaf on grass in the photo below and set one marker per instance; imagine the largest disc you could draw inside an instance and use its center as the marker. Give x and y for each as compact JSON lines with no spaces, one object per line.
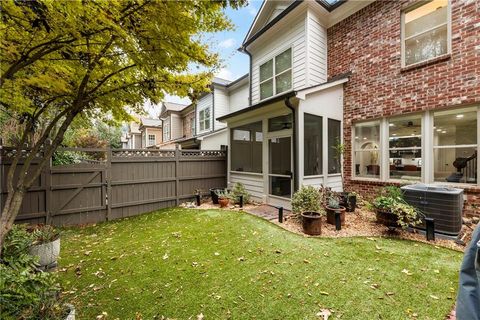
{"x":200,"y":316}
{"x":324,"y":293}
{"x":325,"y":313}
{"x":434,"y":297}
{"x":408,"y":273}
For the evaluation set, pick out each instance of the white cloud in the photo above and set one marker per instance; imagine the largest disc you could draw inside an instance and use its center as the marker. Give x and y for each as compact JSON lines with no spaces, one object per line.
{"x":226,"y":74}
{"x":227,"y":43}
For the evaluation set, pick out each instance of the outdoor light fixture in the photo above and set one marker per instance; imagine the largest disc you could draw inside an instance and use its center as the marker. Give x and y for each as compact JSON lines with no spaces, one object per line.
{"x":197,"y":198}
{"x":430,"y":229}
{"x":241,"y":201}
{"x":280,"y":214}
{"x":338,"y":221}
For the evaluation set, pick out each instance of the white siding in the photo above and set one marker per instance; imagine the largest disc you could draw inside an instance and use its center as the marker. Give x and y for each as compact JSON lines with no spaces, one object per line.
{"x":221,"y":106}
{"x":214,"y":141}
{"x":252,"y":182}
{"x":203,"y":103}
{"x":317,"y":50}
{"x":176,"y":127}
{"x":239,"y":98}
{"x":290,"y":35}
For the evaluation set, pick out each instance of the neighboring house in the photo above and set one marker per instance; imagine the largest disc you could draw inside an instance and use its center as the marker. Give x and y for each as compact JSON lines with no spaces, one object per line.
{"x":172,"y":122}
{"x":397,"y":81}
{"x":145,"y":134}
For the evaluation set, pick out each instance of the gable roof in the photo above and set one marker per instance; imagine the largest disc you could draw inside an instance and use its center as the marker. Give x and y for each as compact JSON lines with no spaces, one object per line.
{"x":147,"y":122}
{"x":172,"y":106}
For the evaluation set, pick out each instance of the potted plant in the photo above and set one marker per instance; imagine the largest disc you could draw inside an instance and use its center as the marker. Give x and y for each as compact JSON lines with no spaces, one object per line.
{"x":46,"y":245}
{"x":238,"y":191}
{"x":223,"y":197}
{"x":306,"y":204}
{"x":333,"y":207}
{"x":213,"y":194}
{"x":393,"y":211}
{"x":347,"y":199}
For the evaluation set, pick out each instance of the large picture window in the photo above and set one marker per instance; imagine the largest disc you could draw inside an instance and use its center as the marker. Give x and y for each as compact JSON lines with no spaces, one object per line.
{"x":425,"y":32}
{"x":405,"y":148}
{"x":204,"y":119}
{"x":276,"y":75}
{"x":313,"y":149}
{"x":334,"y":146}
{"x":455,"y":146}
{"x":367,"y":150}
{"x":246,"y":148}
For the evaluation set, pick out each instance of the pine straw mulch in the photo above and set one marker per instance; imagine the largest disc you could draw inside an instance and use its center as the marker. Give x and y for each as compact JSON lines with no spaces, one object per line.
{"x":362,"y":223}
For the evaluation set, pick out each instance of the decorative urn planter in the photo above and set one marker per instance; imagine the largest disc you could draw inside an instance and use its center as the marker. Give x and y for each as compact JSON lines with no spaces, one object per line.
{"x":312,"y":223}
{"x":387,"y":218}
{"x":223,"y":202}
{"x":331,"y":214}
{"x":47,"y":253}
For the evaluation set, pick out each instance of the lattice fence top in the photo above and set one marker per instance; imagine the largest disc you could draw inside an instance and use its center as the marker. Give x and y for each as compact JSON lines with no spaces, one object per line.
{"x":203,"y":153}
{"x":10,"y":152}
{"x":132,"y":153}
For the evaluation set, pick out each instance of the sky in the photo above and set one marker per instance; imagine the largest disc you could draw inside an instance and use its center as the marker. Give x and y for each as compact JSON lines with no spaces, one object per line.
{"x":235,"y":64}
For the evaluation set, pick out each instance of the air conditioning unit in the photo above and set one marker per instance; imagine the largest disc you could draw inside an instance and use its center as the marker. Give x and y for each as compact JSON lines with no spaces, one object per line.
{"x":442,"y":203}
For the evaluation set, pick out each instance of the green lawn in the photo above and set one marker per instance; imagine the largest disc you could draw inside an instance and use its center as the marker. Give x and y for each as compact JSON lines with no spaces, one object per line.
{"x":180,"y":263}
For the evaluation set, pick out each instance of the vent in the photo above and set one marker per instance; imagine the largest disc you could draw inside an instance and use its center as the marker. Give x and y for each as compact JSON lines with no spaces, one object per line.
{"x":443,"y":204}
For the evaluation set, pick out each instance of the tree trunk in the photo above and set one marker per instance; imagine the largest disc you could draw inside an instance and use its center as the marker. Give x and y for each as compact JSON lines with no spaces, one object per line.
{"x":9,"y":213}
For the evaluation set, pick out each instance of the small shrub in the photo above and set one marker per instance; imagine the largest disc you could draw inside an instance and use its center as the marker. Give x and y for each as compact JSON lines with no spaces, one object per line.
{"x":391,"y":199}
{"x":223,"y":193}
{"x":44,"y":233}
{"x":307,"y":198}
{"x":239,"y":190}
{"x":25,"y":292}
{"x":333,"y":203}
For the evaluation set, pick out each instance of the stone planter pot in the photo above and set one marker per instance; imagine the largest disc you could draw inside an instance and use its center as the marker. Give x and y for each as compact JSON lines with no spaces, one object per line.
{"x":71,"y":312}
{"x":312,"y":223}
{"x":331,"y":215}
{"x":223,"y":202}
{"x":387,"y":218}
{"x":47,"y":253}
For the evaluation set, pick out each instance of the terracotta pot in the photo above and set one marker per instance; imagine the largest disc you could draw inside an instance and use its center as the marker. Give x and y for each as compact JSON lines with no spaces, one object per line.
{"x":387,"y":218}
{"x":331,"y":215}
{"x":223,"y":202}
{"x":312,"y":223}
{"x":47,"y":253}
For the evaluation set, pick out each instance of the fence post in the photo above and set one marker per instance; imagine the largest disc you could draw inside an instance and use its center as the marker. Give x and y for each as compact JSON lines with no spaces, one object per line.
{"x":47,"y":173}
{"x":108,"y":176}
{"x":225,"y":148}
{"x":177,"y":181}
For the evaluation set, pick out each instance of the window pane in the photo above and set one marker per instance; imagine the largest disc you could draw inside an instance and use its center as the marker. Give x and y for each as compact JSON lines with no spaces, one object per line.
{"x":455,"y":127}
{"x":283,"y":82}
{"x":281,"y":186}
{"x":367,"y":164}
{"x":425,"y":17}
{"x":313,"y":151}
{"x":426,"y":46}
{"x":283,"y":61}
{"x":367,"y":136}
{"x":334,"y":141}
{"x":246,"y":155}
{"x":266,"y":89}
{"x":406,"y":164}
{"x":280,"y":123}
{"x":280,"y":156}
{"x":455,"y":165}
{"x":266,"y":70}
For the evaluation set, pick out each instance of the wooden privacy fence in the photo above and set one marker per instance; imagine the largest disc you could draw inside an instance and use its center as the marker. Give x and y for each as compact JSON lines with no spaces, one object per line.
{"x":123,"y":183}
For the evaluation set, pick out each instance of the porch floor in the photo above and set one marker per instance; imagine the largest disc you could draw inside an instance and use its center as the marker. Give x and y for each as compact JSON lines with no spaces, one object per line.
{"x":267,"y":212}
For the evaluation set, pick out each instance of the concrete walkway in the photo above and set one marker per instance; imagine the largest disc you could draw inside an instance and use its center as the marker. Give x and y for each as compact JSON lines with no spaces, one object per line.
{"x":267,"y":212}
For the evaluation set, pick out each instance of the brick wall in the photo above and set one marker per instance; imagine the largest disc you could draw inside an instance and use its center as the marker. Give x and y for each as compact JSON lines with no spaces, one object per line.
{"x":368,"y":45}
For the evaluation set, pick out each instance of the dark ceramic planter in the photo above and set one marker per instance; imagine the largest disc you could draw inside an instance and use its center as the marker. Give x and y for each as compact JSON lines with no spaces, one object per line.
{"x":331,"y":215}
{"x":213,"y":194}
{"x":386,"y":218}
{"x":349,"y":201}
{"x":312,"y":223}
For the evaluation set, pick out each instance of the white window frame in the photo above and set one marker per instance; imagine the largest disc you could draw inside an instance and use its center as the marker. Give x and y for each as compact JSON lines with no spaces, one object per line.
{"x":275,"y":75}
{"x":166,"y":132}
{"x":205,"y":120}
{"x":404,"y":39}
{"x":428,"y":147}
{"x":150,"y":140}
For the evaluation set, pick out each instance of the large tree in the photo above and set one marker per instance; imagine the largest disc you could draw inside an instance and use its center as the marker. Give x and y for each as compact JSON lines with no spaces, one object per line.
{"x":61,"y":59}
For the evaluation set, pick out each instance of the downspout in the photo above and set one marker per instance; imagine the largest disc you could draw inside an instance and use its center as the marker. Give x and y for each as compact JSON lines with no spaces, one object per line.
{"x":244,"y":50}
{"x":288,"y":104}
{"x":213,"y":108}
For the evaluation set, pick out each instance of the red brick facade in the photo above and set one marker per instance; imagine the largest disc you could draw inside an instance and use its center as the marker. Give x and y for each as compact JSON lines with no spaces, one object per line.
{"x":368,"y":44}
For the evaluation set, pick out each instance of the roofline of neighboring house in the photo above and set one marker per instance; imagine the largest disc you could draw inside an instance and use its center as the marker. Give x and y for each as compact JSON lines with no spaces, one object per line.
{"x":234,"y":82}
{"x":281,"y":97}
{"x":296,"y":3}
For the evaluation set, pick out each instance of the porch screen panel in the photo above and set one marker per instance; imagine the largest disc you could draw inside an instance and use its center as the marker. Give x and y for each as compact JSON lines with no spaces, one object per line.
{"x":334,"y":141}
{"x":313,"y":152}
{"x":246,"y":148}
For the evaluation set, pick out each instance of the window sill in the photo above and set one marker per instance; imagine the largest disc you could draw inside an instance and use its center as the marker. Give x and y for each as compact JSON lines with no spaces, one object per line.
{"x":422,"y":64}
{"x":247,"y":173}
{"x":319,"y":176}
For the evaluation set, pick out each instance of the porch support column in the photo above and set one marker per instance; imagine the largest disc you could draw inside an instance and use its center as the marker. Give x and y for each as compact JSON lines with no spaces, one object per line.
{"x":295,"y":144}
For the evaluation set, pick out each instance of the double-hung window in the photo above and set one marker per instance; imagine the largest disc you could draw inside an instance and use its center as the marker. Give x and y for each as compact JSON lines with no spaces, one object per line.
{"x":204,"y":119}
{"x":276,"y":75}
{"x":151,"y":139}
{"x":166,"y":131}
{"x":425,"y":32}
